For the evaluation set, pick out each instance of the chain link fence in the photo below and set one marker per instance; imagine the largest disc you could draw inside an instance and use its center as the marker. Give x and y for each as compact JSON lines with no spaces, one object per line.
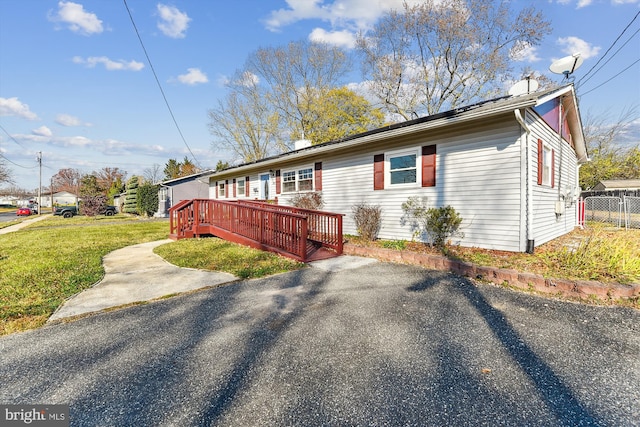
{"x":620,"y":212}
{"x":632,"y":211}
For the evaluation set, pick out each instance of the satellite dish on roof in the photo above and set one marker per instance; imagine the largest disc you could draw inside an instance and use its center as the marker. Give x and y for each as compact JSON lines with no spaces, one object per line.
{"x":567,"y":65}
{"x":524,"y":87}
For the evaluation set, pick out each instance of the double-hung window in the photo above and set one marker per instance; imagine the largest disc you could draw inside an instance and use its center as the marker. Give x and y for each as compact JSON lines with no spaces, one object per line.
{"x":297,"y":180}
{"x":402,"y":168}
{"x":221,"y":189}
{"x":240,"y":187}
{"x":546,"y":165}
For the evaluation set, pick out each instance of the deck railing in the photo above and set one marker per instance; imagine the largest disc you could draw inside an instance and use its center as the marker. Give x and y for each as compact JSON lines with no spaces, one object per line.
{"x":289,"y":231}
{"x":324,"y":227}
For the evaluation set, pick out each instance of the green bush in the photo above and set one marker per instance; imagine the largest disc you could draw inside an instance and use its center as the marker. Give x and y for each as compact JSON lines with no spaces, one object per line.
{"x":131,"y":196}
{"x":147,"y":202}
{"x":438,"y":223}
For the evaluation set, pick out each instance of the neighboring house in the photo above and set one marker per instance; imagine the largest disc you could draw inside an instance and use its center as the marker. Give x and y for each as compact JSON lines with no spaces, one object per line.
{"x":502,"y":164}
{"x":617,"y":184}
{"x":60,"y":198}
{"x":9,"y":200}
{"x":189,"y":187}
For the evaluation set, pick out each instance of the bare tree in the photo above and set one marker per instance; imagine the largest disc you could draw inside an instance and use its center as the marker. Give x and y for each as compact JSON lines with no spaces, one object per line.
{"x":67,"y":180}
{"x":610,"y":157}
{"x":106,"y":177}
{"x":245,"y":125}
{"x":440,"y":54}
{"x":5,"y":173}
{"x":296,"y":75}
{"x":280,"y":96}
{"x":153,"y":174}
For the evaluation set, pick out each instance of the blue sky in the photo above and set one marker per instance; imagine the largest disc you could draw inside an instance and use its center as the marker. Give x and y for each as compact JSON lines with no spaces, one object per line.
{"x":75,"y":83}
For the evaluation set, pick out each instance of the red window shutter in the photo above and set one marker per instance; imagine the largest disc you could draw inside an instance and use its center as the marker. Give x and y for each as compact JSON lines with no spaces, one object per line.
{"x":429,"y":166}
{"x":226,"y":188}
{"x":318,"y":175}
{"x":378,"y":172}
{"x":234,"y":187}
{"x":216,"y":189}
{"x":540,"y":160}
{"x":246,"y":186}
{"x":278,"y":181}
{"x":553,"y":168}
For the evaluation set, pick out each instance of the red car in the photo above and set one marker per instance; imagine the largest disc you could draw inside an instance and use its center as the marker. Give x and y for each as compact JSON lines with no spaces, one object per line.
{"x":24,"y":212}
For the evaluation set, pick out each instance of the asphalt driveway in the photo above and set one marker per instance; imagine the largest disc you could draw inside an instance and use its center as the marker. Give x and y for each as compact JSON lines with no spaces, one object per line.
{"x":379,"y":345}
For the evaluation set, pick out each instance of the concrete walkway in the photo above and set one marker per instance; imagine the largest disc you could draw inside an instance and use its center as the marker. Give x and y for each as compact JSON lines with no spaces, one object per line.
{"x":16,"y":227}
{"x":136,"y":274}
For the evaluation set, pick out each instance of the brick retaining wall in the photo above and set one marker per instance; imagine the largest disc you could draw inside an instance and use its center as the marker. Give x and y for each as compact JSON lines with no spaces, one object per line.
{"x":582,"y":289}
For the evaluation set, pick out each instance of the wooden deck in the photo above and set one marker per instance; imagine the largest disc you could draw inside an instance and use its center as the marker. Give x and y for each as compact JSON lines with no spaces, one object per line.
{"x":302,"y":234}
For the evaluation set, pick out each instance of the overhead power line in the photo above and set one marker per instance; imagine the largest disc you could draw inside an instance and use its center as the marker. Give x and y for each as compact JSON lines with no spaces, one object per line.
{"x":613,"y":77}
{"x":14,"y":140}
{"x":608,"y":50}
{"x":175,"y":122}
{"x":612,"y":56}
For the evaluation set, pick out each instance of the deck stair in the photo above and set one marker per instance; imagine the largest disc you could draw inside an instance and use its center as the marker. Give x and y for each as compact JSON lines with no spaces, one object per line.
{"x":302,"y":234}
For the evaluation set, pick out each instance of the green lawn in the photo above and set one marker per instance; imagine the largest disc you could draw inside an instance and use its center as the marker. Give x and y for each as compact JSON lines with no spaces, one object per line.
{"x":55,"y":258}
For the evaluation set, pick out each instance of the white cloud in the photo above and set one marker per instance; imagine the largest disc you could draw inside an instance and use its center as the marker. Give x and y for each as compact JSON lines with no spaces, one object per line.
{"x":173,"y":23}
{"x":573,"y":45}
{"x":358,"y":14}
{"x":13,"y":107}
{"x":77,"y":19}
{"x":342,"y":38}
{"x":109,"y":64}
{"x":193,"y":77}
{"x":42,"y":131}
{"x":624,"y":1}
{"x":69,"y":120}
{"x":583,"y":3}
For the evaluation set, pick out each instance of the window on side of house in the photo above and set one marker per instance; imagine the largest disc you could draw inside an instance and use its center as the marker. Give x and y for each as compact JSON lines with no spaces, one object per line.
{"x":546,"y":165}
{"x":221,"y":189}
{"x":297,"y":180}
{"x":402,"y":168}
{"x":240,"y":187}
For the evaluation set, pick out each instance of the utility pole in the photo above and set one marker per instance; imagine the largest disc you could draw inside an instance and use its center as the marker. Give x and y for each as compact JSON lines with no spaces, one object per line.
{"x":40,"y":184}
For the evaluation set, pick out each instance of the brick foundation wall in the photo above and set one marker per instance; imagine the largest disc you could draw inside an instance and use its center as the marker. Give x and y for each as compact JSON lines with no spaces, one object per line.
{"x":582,"y":289}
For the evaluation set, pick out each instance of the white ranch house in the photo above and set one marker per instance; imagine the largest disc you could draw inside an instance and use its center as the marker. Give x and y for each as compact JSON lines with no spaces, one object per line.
{"x":509,"y":166}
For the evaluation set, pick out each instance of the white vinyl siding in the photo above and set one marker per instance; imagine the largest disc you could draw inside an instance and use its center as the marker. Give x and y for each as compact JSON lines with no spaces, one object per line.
{"x":547,"y":225}
{"x":477,"y":173}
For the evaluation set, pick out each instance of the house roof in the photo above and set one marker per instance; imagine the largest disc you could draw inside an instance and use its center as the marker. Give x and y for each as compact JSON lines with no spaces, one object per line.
{"x":620,"y":183}
{"x":480,"y":110}
{"x":175,"y":181}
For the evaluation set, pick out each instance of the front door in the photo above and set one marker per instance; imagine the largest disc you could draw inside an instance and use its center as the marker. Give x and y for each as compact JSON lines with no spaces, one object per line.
{"x":264,"y":186}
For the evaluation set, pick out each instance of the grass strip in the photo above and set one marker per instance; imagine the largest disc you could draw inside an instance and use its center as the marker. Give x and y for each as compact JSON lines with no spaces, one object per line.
{"x":220,"y":255}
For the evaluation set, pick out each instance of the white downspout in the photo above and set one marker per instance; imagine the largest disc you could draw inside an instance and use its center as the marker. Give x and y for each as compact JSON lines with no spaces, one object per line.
{"x":529,"y":182}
